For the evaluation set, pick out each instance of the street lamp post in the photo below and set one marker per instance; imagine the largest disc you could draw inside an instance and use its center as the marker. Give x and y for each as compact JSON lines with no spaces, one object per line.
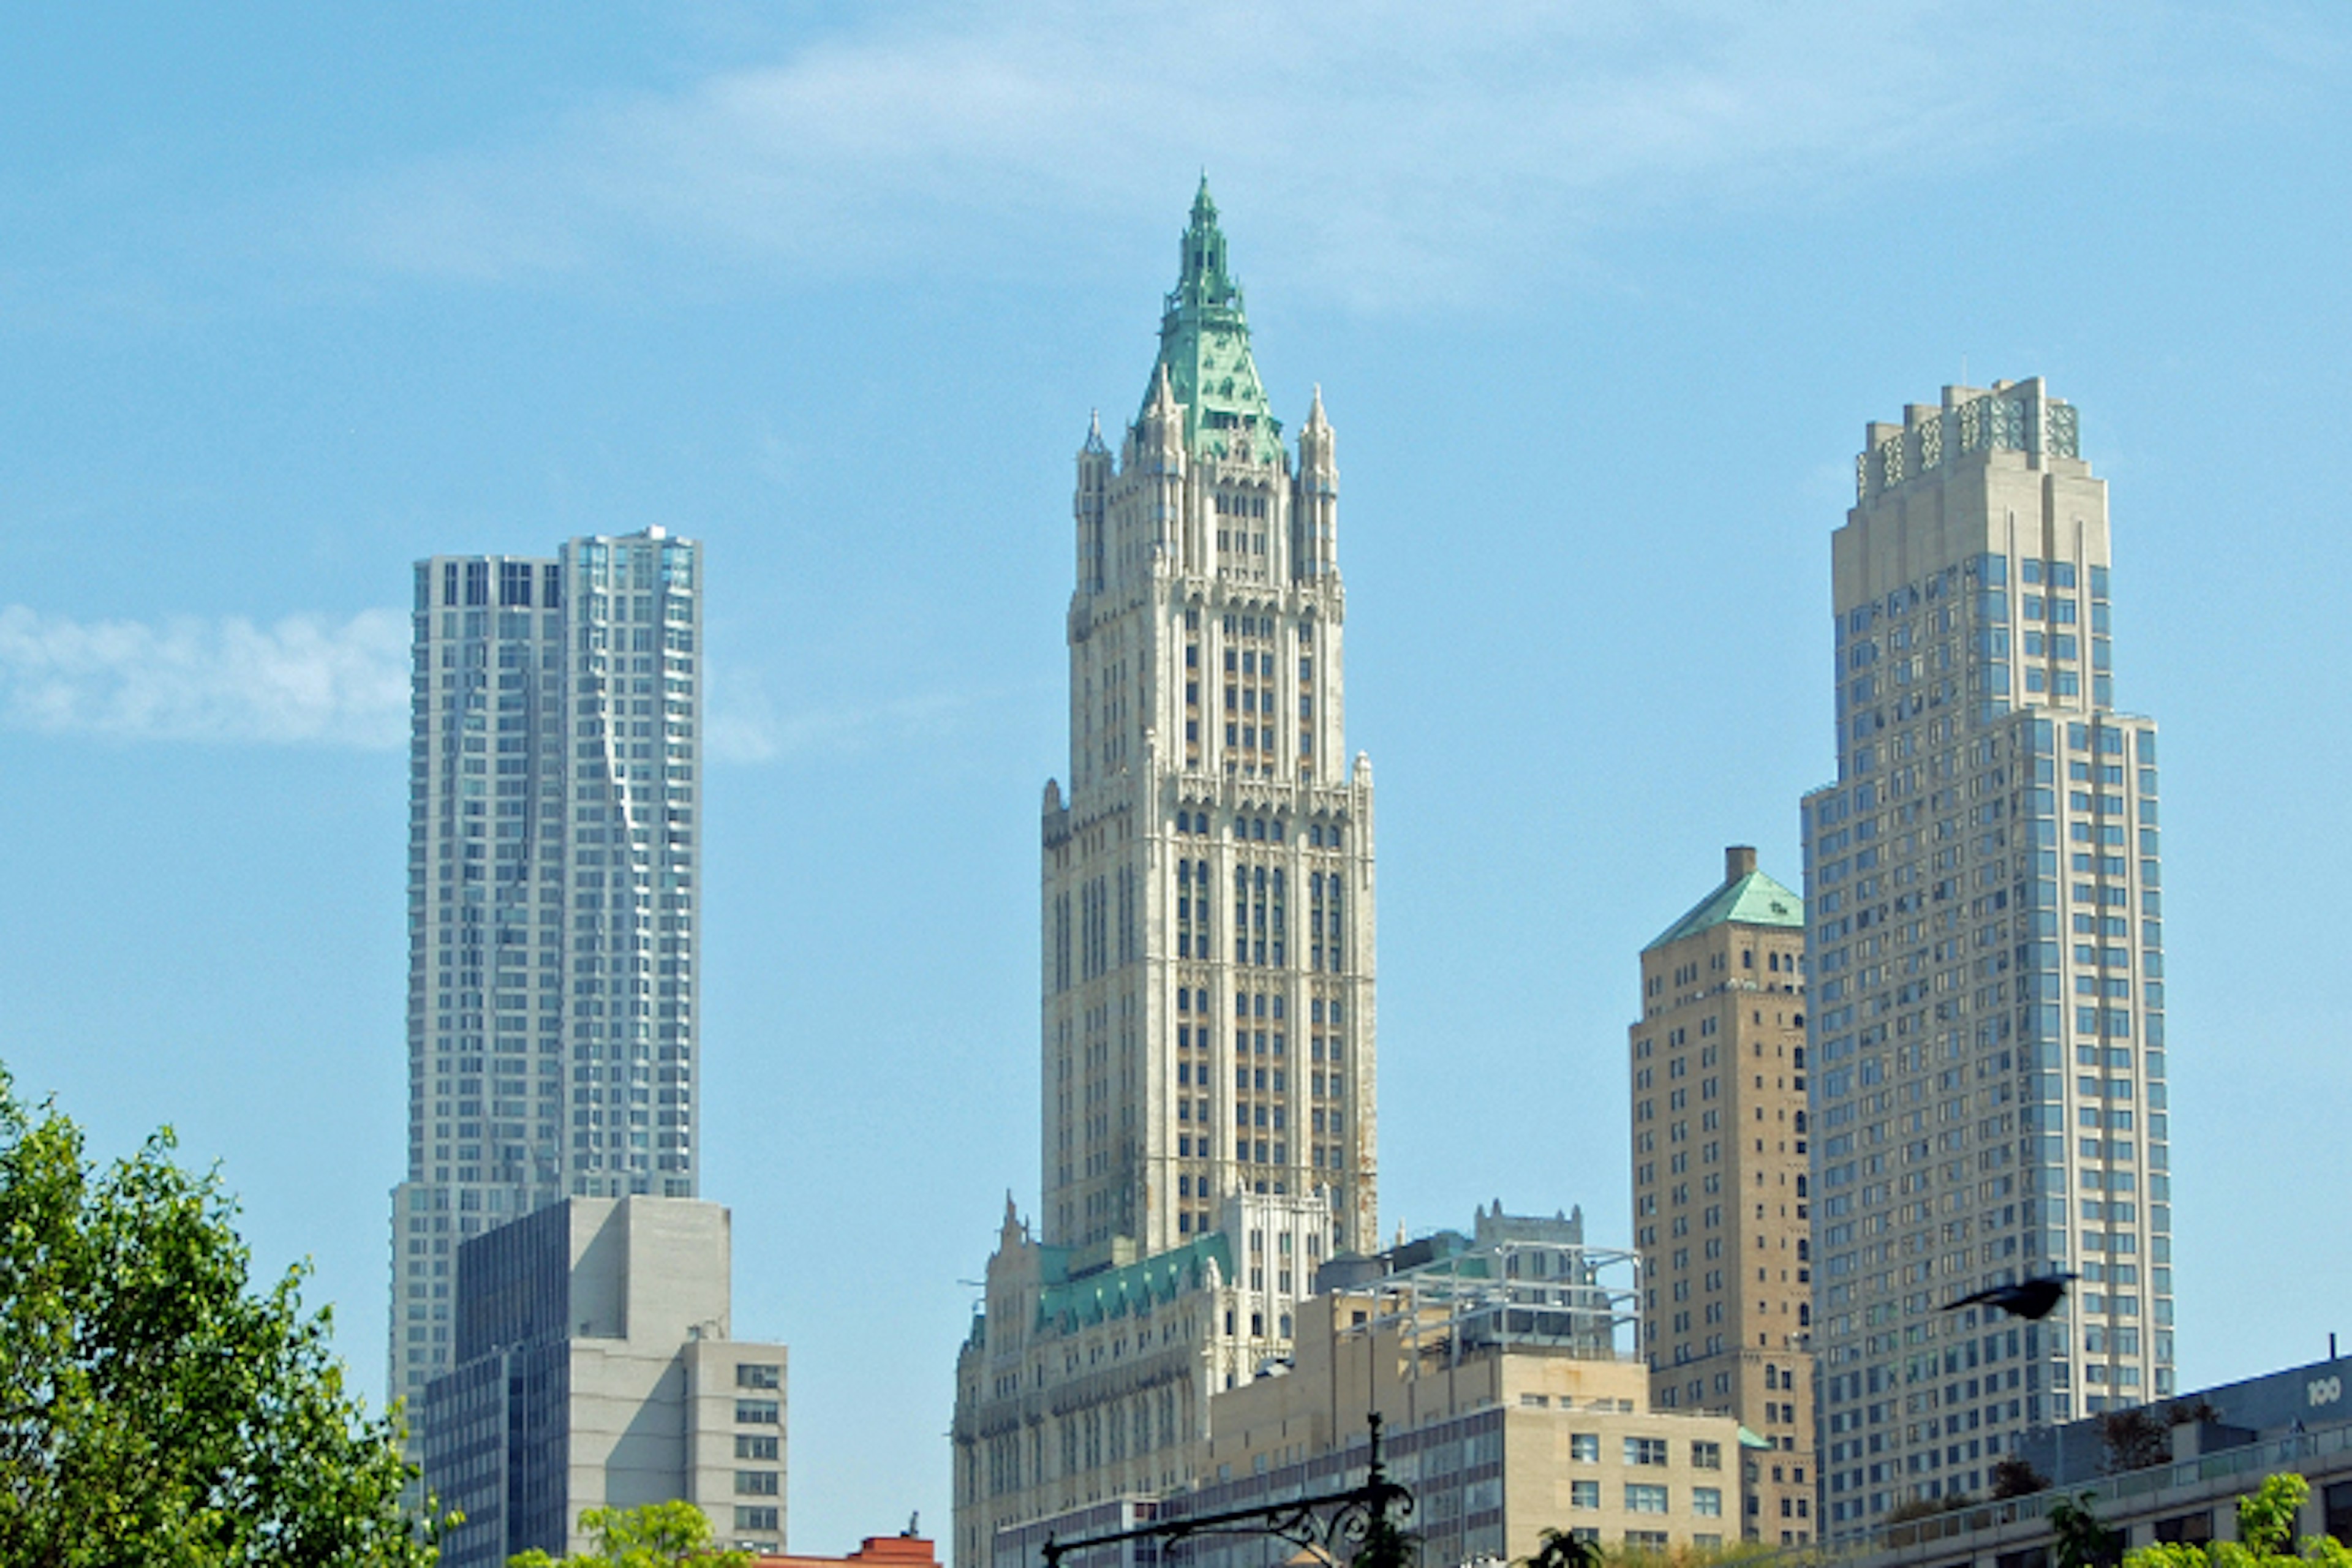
{"x":1364,"y":1518}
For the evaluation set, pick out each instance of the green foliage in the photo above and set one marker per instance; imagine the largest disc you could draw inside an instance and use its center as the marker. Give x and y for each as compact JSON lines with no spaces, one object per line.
{"x":1387,"y":1545}
{"x":2014,"y":1477}
{"x":658,"y":1535}
{"x":152,"y":1409}
{"x":2082,"y":1542}
{"x":2266,"y":1515}
{"x":1682,"y":1554}
{"x":1559,"y":1548}
{"x":2266,"y":1520}
{"x":2136,"y":1438}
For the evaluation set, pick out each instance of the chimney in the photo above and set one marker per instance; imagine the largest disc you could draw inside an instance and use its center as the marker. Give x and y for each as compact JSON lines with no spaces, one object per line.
{"x":1738,"y":860}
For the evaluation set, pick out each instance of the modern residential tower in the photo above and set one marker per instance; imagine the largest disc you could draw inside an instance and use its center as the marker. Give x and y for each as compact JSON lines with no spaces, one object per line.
{"x":552,"y":852}
{"x":1720,"y":1181}
{"x":1986,"y":949}
{"x":1208,"y":878}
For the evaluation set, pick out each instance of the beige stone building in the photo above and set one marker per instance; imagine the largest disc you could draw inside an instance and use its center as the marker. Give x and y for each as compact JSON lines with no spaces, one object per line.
{"x":1983,"y":884}
{"x":1088,"y":1373}
{"x":1721,"y":1181}
{"x":1508,"y":1407}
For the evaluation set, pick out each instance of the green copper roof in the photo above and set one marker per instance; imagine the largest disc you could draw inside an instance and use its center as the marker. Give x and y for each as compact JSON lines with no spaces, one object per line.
{"x":1204,"y":347}
{"x":1133,"y":1287}
{"x":1754,"y":899}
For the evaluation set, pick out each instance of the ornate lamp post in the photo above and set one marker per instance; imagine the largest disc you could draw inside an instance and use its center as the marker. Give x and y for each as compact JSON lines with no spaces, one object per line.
{"x":1363,"y":1522}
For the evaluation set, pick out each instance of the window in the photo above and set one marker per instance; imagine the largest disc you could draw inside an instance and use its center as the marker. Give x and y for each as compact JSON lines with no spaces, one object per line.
{"x":755,"y":1519}
{"x":748,"y":1446}
{"x":756,"y":1483}
{"x":1707,"y":1501}
{"x":758,"y":1412}
{"x":1584,"y":1494}
{"x":1707,"y":1455}
{"x":1644,"y":1498}
{"x":1584,"y":1447}
{"x":1645,"y":1450}
{"x":758,"y":1375}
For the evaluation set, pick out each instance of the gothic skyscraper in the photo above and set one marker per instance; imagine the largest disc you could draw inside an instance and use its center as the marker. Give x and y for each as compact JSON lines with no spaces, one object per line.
{"x":1208,"y":1018}
{"x":553,"y":838}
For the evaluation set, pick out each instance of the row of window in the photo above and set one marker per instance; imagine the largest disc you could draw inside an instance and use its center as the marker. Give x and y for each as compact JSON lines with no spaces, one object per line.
{"x":1261,"y":829}
{"x":1584,"y":1448}
{"x":1706,"y":1503}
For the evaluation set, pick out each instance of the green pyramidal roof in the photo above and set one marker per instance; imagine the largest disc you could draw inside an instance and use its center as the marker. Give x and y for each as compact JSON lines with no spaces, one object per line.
{"x":1204,"y":347}
{"x":1753,"y":900}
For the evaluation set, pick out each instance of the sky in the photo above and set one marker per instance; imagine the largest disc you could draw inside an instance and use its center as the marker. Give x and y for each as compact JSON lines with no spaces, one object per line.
{"x":1600,"y":296}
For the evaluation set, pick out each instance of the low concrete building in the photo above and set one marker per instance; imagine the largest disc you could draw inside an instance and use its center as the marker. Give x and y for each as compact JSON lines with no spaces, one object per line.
{"x":2296,"y":1420}
{"x":594,"y":1368}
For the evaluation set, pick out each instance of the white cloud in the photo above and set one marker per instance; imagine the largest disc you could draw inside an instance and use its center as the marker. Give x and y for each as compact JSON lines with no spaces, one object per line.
{"x":1391,"y":150}
{"x":305,"y":681}
{"x":746,"y":728}
{"x":309,"y":680}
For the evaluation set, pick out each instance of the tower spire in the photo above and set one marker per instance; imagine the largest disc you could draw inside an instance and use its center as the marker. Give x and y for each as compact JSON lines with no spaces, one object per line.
{"x":1205,"y":349}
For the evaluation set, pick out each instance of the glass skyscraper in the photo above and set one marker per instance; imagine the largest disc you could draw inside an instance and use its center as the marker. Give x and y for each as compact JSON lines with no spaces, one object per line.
{"x":554,"y":793}
{"x":1987,"y":948}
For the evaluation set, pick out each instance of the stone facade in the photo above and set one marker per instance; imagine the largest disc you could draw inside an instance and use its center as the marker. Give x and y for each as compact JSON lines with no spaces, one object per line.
{"x":1087,"y":1374}
{"x":1510,"y":1408}
{"x":1721,"y":1174}
{"x":1987,"y":1028}
{"x":1207,"y":911}
{"x":1207,"y":1052}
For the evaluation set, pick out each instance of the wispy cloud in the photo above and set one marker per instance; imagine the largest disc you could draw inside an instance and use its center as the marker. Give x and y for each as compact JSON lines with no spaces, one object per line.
{"x":313,"y":680}
{"x":1388,"y":149}
{"x":745,"y":727}
{"x":307,"y":680}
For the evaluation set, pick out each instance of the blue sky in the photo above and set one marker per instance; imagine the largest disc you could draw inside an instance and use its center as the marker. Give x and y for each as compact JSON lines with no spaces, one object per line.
{"x":1600,"y":297}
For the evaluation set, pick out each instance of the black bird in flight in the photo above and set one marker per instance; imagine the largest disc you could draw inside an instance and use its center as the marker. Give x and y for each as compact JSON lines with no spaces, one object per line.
{"x":2031,"y":1298}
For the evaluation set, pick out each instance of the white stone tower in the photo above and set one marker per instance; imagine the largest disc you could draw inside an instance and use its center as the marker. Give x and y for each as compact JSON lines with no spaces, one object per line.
{"x":553,"y":846}
{"x":1208,"y":917}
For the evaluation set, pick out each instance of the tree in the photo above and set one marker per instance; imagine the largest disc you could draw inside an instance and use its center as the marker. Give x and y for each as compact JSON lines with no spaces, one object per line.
{"x":1559,"y":1548}
{"x":2136,"y":1438}
{"x":2012,"y":1476}
{"x":2266,"y":1519}
{"x":1387,"y":1545}
{"x":2082,"y":1542}
{"x":2141,"y":1437}
{"x":657,"y":1535}
{"x":153,"y":1409}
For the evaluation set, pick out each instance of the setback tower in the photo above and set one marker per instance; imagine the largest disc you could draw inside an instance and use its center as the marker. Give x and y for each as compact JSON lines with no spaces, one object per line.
{"x":1208,"y":1024}
{"x":1987,"y":963}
